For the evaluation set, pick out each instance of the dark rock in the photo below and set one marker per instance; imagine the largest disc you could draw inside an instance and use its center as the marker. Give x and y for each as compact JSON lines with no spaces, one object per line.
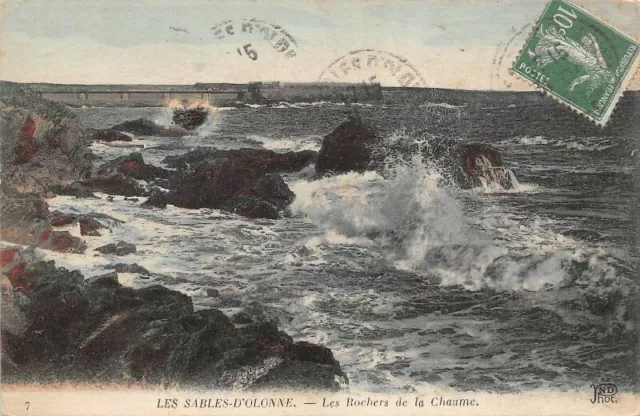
{"x":89,"y":226}
{"x":347,"y":148}
{"x":129,"y":268}
{"x":267,"y":160}
{"x":353,"y":147}
{"x":241,"y":181}
{"x":110,"y":135}
{"x":132,"y":166}
{"x":296,"y":375}
{"x":483,"y":165}
{"x":144,"y":127}
{"x":157,"y":200}
{"x":59,"y":219}
{"x":251,"y":208}
{"x":83,"y":331}
{"x":273,"y":189}
{"x":117,"y":184}
{"x":104,"y":280}
{"x":190,"y":118}
{"x":119,"y":249}
{"x":74,"y":189}
{"x":242,"y":318}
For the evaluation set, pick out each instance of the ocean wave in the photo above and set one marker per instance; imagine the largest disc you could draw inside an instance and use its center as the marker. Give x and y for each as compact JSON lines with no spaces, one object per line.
{"x":588,"y":144}
{"x":424,"y":227}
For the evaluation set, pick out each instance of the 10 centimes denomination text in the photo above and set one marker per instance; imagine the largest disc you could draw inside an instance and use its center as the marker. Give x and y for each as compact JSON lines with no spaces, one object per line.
{"x":578,"y":59}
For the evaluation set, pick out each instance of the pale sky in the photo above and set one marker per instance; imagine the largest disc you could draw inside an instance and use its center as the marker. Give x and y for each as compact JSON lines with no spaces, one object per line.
{"x":452,"y":43}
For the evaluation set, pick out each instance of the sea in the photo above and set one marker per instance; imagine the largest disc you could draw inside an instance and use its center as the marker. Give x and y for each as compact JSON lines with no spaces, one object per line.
{"x":408,"y":279}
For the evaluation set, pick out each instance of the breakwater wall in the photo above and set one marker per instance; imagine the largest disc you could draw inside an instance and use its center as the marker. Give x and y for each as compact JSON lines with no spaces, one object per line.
{"x":218,"y":94}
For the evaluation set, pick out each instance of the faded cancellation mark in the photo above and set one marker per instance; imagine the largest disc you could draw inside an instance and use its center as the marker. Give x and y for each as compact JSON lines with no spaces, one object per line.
{"x":373,"y":66}
{"x":251,"y":35}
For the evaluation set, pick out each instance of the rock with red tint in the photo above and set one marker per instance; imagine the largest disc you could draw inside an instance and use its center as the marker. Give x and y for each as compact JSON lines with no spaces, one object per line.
{"x":132,"y":166}
{"x":110,"y":135}
{"x":78,"y":330}
{"x":59,"y":219}
{"x":26,"y":220}
{"x":23,"y":218}
{"x":61,"y":241}
{"x":42,"y":143}
{"x":348,"y":147}
{"x":8,"y":256}
{"x":483,"y":165}
{"x":89,"y":226}
{"x":27,"y":146}
{"x":20,"y":277}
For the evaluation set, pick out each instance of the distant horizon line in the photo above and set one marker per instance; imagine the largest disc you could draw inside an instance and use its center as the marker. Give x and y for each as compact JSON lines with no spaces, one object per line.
{"x":273,"y":82}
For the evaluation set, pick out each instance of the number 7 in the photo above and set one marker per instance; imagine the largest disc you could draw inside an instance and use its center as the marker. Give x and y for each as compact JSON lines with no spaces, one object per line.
{"x":27,"y":403}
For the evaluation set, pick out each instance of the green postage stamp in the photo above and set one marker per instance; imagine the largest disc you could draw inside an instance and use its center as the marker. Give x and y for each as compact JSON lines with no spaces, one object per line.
{"x":578,"y":59}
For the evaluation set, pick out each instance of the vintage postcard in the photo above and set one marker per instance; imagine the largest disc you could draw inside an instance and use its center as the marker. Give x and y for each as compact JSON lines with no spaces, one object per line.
{"x":278,"y":207}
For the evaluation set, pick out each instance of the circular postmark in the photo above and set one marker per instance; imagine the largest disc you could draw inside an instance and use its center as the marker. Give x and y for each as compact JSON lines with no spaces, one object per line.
{"x":366,"y":66}
{"x":252,"y":34}
{"x":504,"y":57}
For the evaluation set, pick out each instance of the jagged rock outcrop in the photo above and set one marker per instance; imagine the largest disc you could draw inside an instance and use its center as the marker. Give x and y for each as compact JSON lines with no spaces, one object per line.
{"x":119,"y":249}
{"x":88,"y":225}
{"x":353,"y":147}
{"x":242,"y":181}
{"x":265,"y":159}
{"x":110,"y":135}
{"x":67,"y":329}
{"x":347,"y":148}
{"x":25,"y":219}
{"x":117,"y":184}
{"x":190,"y":118}
{"x":145,"y":127}
{"x":132,"y":166}
{"x":43,"y":145}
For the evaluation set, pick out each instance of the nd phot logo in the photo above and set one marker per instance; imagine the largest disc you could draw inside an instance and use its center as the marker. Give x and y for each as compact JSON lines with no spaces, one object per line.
{"x":604,"y":393}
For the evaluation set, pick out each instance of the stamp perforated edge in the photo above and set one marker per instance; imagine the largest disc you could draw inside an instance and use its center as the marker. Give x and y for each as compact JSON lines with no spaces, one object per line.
{"x":631,"y":72}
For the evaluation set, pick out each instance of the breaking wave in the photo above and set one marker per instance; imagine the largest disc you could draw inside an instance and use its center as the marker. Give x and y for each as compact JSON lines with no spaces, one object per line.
{"x":426,"y":227}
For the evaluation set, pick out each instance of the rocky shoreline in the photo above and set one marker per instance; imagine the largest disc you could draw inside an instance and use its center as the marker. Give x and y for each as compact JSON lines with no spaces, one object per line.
{"x":58,"y":326}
